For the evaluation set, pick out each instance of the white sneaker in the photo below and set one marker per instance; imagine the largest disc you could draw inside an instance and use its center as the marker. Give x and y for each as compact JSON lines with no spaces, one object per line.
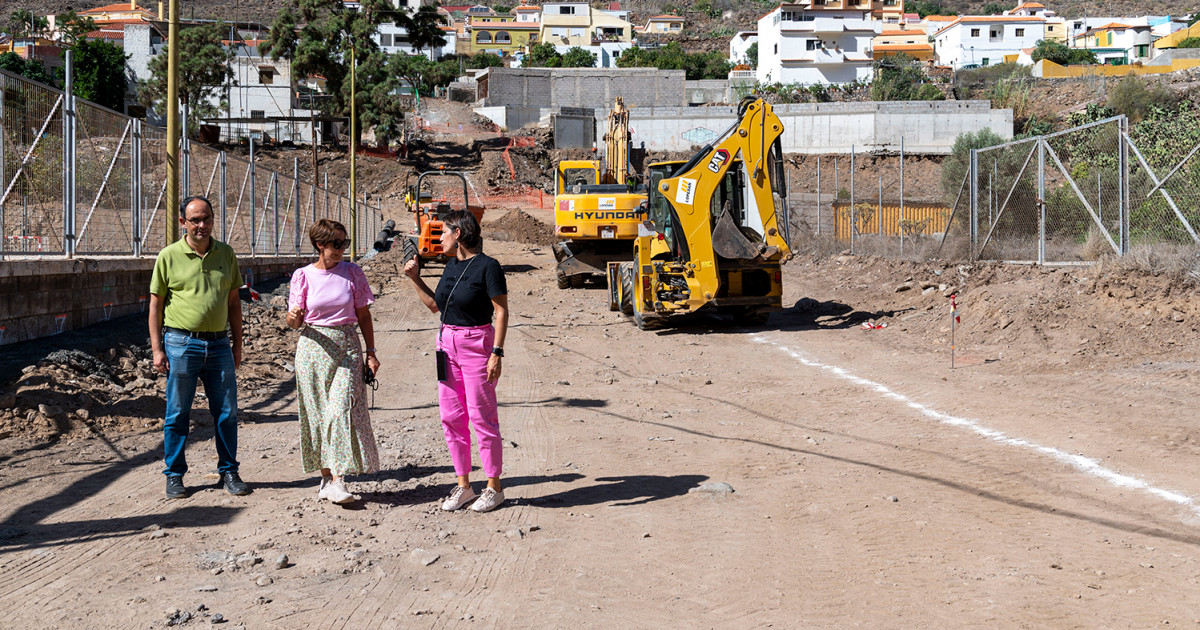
{"x":325,"y":481}
{"x":488,"y":501}
{"x":336,"y":492}
{"x":460,"y":497}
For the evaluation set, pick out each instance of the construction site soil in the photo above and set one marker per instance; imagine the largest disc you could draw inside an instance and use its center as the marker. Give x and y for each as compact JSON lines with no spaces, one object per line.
{"x":827,"y":469}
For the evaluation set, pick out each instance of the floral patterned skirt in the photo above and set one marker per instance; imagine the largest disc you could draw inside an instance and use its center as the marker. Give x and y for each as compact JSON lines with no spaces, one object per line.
{"x":335,"y":427}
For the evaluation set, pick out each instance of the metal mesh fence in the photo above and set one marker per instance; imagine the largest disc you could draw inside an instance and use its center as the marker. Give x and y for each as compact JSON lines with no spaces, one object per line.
{"x":31,"y":167}
{"x":868,"y":203}
{"x":79,"y":179}
{"x":1065,"y":197}
{"x":1164,"y":184}
{"x":104,"y":183}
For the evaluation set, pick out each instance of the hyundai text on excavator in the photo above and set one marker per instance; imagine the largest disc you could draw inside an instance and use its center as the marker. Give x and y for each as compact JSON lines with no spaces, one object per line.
{"x":427,"y":211}
{"x":597,"y":207}
{"x":717,"y":232}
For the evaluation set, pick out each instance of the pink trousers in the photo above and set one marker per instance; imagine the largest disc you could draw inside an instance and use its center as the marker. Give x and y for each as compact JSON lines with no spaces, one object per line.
{"x":467,"y":398}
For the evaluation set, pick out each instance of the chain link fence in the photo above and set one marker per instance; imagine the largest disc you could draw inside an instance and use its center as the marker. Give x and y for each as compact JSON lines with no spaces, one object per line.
{"x":78,"y":179}
{"x":1067,"y":197}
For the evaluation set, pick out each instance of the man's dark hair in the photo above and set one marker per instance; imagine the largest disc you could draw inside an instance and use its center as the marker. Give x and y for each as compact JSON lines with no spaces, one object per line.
{"x":471,"y":235}
{"x":184,"y":204}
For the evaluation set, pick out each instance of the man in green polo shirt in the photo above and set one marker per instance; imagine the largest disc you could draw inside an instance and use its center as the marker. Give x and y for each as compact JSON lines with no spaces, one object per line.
{"x":193,"y":298}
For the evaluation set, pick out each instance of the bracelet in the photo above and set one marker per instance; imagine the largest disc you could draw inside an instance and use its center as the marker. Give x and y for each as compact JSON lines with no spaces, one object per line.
{"x":372,"y":350}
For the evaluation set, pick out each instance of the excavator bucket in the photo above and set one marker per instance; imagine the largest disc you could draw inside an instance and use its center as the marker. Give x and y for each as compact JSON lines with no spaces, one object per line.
{"x":729,"y":241}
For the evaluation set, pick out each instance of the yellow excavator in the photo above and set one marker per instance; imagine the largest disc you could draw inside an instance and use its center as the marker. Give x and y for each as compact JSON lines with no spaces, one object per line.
{"x":717,"y":232}
{"x":597,"y":207}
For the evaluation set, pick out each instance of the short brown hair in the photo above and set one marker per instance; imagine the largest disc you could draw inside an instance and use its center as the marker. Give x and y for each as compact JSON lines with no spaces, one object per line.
{"x":465,"y":222}
{"x":324,"y":231}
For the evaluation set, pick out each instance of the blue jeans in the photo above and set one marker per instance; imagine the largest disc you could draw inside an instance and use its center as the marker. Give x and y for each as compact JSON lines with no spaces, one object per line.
{"x":210,"y":361}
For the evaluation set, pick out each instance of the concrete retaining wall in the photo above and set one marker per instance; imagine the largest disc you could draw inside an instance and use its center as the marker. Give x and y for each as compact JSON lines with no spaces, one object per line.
{"x":818,"y":128}
{"x":584,"y":87}
{"x":707,"y":91}
{"x":39,"y":298}
{"x":511,"y":117}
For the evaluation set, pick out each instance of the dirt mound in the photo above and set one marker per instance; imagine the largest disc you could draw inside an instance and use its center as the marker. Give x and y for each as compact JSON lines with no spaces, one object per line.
{"x":1013,"y":310}
{"x":74,"y":394}
{"x":521,"y":227}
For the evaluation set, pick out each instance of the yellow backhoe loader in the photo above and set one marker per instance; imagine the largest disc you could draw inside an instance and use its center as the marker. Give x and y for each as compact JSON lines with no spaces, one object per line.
{"x":716,"y":235}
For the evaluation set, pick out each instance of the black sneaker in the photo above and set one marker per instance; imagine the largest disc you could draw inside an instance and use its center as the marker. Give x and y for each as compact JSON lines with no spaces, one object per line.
{"x":234,"y":484}
{"x":175,"y":489}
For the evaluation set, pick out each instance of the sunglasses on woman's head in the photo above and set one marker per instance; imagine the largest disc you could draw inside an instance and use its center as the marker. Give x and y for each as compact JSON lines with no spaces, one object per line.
{"x":338,"y":244}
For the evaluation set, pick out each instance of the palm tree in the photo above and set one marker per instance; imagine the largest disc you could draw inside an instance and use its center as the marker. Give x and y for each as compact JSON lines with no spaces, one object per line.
{"x":424,"y":29}
{"x":23,"y":23}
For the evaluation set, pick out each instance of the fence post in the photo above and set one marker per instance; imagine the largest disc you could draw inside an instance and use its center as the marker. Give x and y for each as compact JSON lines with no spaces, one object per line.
{"x":253,"y":204}
{"x":973,"y":219}
{"x":1124,"y":208}
{"x":185,"y":156}
{"x":818,"y":195}
{"x":296,"y":204}
{"x":879,"y":212}
{"x":3,"y":125}
{"x":275,"y":231}
{"x":326,"y":189}
{"x":1041,"y":201}
{"x":224,"y":201}
{"x":69,"y":162}
{"x":900,"y":223}
{"x":135,"y":187}
{"x":853,"y":225}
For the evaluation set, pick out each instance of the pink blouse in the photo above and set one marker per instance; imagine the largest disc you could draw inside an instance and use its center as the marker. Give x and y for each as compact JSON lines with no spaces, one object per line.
{"x":330,"y":295}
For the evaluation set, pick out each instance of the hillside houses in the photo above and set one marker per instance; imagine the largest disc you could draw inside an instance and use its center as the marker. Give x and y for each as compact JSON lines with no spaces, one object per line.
{"x":837,"y":41}
{"x":817,"y":42}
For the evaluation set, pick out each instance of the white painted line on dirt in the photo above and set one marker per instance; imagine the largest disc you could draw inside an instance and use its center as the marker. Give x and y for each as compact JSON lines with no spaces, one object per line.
{"x":1079,"y":462}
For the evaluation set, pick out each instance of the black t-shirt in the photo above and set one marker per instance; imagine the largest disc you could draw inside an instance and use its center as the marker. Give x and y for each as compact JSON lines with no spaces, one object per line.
{"x":471,"y":305}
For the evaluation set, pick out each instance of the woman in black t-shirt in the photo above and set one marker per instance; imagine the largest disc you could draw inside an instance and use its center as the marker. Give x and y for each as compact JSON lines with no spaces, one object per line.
{"x":472,"y":290}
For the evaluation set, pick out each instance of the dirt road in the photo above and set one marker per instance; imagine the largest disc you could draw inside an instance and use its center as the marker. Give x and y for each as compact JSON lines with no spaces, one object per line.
{"x":1034,"y":486}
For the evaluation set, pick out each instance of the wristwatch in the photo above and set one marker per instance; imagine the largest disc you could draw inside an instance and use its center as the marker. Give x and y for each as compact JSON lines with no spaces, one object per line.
{"x":498,"y":352}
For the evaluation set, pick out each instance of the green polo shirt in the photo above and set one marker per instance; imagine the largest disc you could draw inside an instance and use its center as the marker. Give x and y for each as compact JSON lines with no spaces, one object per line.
{"x":196,"y":288}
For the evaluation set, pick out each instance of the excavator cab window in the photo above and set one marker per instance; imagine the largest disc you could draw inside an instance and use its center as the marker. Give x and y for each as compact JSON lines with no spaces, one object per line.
{"x":731,"y":195}
{"x":661,"y":213}
{"x":575,"y":179}
{"x":779,"y":188}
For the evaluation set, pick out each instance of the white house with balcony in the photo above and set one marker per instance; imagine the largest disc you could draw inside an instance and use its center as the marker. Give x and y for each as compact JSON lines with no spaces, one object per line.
{"x":394,"y":39}
{"x":986,"y":40}
{"x":797,"y":44}
{"x":739,"y":46}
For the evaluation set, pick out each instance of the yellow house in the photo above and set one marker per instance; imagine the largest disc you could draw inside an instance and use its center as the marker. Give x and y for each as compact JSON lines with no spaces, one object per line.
{"x":118,"y":13}
{"x":1056,"y":30}
{"x":501,"y":34}
{"x":1172,"y":40}
{"x":913,"y":42}
{"x":578,"y":24}
{"x":664,"y":24}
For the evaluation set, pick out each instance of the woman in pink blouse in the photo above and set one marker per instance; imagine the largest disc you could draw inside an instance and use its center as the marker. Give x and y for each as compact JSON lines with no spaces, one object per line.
{"x":331,"y":300}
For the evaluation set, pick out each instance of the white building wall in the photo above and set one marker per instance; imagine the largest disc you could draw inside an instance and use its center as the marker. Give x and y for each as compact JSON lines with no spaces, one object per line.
{"x":606,"y":53}
{"x":393,"y":39}
{"x":832,"y":47}
{"x":957,"y":46}
{"x":739,"y":45}
{"x":769,"y":68}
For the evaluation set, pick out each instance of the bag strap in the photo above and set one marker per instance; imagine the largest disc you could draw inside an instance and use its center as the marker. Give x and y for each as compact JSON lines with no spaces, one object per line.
{"x":451,"y":295}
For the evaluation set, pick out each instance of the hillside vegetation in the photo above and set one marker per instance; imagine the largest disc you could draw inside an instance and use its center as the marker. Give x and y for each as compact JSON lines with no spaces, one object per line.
{"x":707,"y":19}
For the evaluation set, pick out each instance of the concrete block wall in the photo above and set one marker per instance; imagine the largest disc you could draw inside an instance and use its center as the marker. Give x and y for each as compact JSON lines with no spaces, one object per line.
{"x":818,"y":128}
{"x":39,"y":298}
{"x":584,"y":87}
{"x":707,"y":91}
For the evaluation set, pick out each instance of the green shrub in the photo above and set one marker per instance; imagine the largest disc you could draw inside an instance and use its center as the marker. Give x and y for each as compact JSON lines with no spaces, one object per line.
{"x":1135,"y":96}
